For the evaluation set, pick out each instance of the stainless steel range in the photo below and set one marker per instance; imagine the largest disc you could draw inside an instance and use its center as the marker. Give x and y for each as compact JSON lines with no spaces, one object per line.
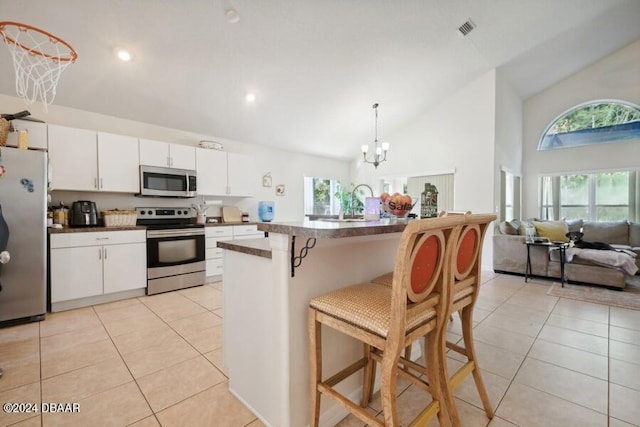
{"x":175,"y":249}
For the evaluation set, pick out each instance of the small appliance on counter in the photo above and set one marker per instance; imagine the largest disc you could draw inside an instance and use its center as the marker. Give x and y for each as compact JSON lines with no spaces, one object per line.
{"x":83,"y":214}
{"x":245,"y":216}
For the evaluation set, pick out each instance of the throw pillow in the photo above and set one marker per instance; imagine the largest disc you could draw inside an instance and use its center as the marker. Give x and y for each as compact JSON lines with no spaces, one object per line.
{"x":506,"y":228}
{"x":553,"y":230}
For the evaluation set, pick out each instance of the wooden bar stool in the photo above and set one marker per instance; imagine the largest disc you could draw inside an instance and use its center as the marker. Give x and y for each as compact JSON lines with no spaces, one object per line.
{"x":387,"y":319}
{"x":467,"y":268}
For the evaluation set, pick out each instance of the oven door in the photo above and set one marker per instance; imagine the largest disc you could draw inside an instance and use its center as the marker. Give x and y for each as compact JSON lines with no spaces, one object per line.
{"x":175,"y":251}
{"x":166,"y":182}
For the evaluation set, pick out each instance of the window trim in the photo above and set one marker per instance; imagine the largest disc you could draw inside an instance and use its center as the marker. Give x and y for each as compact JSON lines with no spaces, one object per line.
{"x":577,"y":107}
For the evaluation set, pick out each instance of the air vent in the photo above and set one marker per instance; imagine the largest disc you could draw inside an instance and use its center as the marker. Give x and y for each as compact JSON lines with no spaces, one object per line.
{"x":467,"y":27}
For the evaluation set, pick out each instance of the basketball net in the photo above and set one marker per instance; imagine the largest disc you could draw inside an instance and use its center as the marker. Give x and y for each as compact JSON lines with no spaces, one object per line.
{"x":39,"y":58}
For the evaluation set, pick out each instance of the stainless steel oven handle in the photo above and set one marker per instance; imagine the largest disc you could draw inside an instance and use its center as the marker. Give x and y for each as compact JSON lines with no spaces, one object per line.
{"x":175,"y":233}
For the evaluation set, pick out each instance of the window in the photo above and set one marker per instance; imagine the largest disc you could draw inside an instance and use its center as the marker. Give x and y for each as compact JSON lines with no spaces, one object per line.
{"x":595,"y":122}
{"x":319,"y":196}
{"x":601,"y":196}
{"x":509,"y":196}
{"x":326,"y":196}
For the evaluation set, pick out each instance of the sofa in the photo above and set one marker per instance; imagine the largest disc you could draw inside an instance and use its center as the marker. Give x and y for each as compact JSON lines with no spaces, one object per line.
{"x":510,"y":250}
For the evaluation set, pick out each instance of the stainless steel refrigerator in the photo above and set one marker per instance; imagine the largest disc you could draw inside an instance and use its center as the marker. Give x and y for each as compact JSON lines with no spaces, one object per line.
{"x":23,"y":199}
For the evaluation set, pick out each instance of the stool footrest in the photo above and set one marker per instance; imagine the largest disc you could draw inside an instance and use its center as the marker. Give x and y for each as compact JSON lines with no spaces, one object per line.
{"x":346,"y":372}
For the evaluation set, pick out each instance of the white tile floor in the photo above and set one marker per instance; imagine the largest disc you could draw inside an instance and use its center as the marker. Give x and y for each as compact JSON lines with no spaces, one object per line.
{"x":157,"y":360}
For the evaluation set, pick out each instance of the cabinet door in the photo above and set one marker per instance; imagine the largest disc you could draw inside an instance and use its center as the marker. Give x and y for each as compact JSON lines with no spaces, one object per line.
{"x":118,"y":164}
{"x":182,"y":156}
{"x":211,"y":166}
{"x":73,"y":158}
{"x":240,"y":175}
{"x":75,"y":273}
{"x":154,"y":153}
{"x":125,"y":267}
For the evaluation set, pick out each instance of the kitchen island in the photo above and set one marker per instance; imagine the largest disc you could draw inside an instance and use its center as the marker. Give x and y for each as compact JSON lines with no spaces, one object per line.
{"x":267,"y":287}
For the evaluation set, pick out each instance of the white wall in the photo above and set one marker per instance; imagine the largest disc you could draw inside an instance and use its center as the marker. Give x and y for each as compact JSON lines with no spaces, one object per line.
{"x":508,"y":146}
{"x":286,"y":167}
{"x":613,"y":77}
{"x":456,"y":136}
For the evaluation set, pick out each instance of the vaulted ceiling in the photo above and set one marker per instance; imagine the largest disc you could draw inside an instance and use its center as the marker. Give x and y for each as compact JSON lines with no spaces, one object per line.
{"x":315,"y":66}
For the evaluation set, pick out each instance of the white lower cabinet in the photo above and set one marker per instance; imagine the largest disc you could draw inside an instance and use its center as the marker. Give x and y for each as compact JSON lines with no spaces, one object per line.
{"x":213,"y":253}
{"x":214,"y":259}
{"x":93,"y":264}
{"x":246,"y":232}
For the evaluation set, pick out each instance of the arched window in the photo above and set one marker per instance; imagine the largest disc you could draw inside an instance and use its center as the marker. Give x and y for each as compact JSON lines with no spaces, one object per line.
{"x":594,"y":122}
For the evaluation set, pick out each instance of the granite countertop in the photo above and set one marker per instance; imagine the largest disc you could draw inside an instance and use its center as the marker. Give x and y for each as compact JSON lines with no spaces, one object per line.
{"x":333,"y":229}
{"x":94,"y":229}
{"x":258,"y":247}
{"x":130,"y":227}
{"x":218,"y":224}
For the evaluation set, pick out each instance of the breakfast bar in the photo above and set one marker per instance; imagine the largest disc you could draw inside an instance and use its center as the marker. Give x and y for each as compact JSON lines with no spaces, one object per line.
{"x":267,"y":287}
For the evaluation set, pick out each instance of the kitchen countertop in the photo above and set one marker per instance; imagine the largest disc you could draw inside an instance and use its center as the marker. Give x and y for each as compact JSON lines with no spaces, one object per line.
{"x":333,"y":229}
{"x":94,"y":229}
{"x":130,"y":227}
{"x":258,"y":247}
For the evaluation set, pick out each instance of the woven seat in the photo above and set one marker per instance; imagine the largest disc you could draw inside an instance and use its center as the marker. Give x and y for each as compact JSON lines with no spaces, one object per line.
{"x":466,"y":289}
{"x":389,"y":318}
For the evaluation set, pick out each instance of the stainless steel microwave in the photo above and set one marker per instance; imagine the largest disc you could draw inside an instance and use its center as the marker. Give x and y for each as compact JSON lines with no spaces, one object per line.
{"x":167,"y":182}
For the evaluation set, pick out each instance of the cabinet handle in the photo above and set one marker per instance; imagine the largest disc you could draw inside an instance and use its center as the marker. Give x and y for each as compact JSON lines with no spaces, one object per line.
{"x":95,"y":182}
{"x":105,"y":253}
{"x":100,"y":253}
{"x":101,"y":186}
{"x":102,"y":238}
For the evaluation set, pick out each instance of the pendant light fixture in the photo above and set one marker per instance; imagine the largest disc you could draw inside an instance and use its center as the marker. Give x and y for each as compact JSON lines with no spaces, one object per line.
{"x":379,"y":150}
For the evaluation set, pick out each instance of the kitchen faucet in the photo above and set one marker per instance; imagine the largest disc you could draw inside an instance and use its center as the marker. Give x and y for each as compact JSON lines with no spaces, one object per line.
{"x":354,"y":192}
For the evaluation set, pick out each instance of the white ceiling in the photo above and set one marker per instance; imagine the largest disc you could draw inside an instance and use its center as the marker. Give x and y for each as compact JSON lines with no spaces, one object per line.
{"x":316,"y":66}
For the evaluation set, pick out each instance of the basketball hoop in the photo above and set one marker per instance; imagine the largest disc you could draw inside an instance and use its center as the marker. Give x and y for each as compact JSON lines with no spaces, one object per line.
{"x":39,"y":58}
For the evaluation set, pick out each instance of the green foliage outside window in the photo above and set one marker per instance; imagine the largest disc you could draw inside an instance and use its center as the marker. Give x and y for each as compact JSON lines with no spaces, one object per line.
{"x":595,"y":116}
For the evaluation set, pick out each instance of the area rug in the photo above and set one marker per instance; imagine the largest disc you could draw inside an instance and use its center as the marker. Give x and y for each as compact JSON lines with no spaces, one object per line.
{"x":627,"y":298}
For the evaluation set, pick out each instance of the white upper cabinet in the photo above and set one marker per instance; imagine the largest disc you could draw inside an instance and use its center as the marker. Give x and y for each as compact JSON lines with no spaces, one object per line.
{"x":72,"y":158}
{"x":224,"y":174}
{"x":240,"y":175}
{"x":163,"y":154}
{"x":211,"y":166}
{"x":118,"y":163}
{"x":182,"y":156}
{"x":84,"y":160}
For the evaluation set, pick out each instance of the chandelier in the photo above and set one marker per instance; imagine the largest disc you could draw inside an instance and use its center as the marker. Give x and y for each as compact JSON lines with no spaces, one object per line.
{"x":380,"y":150}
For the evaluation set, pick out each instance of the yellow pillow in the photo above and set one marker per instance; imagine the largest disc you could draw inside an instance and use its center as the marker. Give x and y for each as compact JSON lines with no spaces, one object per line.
{"x":553,"y":230}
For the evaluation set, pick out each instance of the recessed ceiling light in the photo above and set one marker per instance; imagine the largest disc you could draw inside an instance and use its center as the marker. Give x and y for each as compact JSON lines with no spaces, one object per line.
{"x":123,"y":55}
{"x":232,"y":15}
{"x":250,"y":97}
